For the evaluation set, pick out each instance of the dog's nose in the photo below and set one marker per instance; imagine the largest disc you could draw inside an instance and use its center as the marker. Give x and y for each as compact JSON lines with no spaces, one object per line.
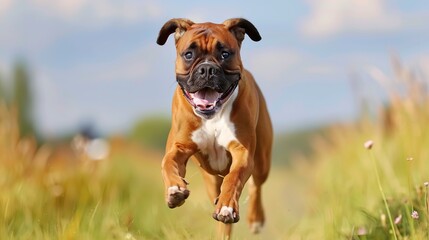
{"x":207,"y":70}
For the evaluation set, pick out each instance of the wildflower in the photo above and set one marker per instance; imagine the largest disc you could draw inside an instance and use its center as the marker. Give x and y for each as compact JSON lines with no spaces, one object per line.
{"x":410,"y":159}
{"x":415,"y":215}
{"x":426,"y":184}
{"x":398,"y":219}
{"x":129,"y":236}
{"x":362,"y":231}
{"x":368,"y":144}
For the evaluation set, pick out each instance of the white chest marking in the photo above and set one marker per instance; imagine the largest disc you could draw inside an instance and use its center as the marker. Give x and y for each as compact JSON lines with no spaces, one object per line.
{"x":214,"y":136}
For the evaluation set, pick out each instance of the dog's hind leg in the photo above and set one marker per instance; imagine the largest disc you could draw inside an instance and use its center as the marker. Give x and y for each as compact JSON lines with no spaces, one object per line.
{"x":262,"y":157}
{"x":256,"y":216}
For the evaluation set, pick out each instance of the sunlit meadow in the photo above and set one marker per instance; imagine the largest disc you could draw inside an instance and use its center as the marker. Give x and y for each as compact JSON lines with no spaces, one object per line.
{"x":347,"y":188}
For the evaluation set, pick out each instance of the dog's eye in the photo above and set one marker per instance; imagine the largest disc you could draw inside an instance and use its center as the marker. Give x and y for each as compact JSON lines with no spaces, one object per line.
{"x":225,"y":55}
{"x":188,"y":55}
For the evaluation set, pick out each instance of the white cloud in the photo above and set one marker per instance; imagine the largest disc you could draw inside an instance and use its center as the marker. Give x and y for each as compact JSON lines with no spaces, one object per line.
{"x":135,"y":65}
{"x":65,"y":8}
{"x":100,"y":11}
{"x":5,"y":6}
{"x":283,"y":64}
{"x":273,"y":63}
{"x":31,"y":27}
{"x":321,"y":69}
{"x":330,"y":17}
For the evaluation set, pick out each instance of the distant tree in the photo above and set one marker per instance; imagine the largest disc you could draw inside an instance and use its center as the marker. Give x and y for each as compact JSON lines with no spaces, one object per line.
{"x":2,"y":90}
{"x":22,"y":98}
{"x":152,"y":131}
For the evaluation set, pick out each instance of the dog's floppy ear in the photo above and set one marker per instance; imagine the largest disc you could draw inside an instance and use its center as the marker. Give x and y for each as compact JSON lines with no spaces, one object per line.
{"x":177,"y":25}
{"x":240,"y":26}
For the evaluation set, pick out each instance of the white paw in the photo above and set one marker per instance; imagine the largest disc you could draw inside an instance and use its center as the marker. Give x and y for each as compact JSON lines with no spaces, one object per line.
{"x":173,"y":190}
{"x":176,"y":196}
{"x":256,"y":227}
{"x":226,"y":211}
{"x":226,"y":215}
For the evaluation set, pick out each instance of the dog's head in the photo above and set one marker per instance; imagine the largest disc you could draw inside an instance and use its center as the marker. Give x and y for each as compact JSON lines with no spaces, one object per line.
{"x":208,"y":63}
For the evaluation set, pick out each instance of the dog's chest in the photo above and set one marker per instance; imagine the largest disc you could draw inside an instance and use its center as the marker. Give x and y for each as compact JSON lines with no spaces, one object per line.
{"x":213,"y":138}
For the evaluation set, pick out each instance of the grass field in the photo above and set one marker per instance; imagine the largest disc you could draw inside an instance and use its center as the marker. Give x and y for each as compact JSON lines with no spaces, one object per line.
{"x":339,"y":192}
{"x":118,"y":198}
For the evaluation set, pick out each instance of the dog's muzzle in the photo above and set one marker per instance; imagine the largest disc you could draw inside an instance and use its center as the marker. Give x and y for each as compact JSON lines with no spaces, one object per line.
{"x":208,"y":89}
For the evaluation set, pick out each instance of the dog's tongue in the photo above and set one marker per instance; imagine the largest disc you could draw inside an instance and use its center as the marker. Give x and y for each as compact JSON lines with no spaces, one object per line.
{"x":205,"y":99}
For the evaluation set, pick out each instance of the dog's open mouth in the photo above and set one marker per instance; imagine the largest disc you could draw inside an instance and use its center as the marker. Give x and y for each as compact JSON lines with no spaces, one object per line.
{"x":207,"y":100}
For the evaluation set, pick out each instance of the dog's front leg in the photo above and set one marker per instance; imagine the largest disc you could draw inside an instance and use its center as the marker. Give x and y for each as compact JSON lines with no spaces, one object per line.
{"x":226,"y":209}
{"x":173,"y":173}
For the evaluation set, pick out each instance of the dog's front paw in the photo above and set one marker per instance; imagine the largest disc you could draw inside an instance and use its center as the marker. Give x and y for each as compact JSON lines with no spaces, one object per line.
{"x":176,"y":196}
{"x":226,"y":215}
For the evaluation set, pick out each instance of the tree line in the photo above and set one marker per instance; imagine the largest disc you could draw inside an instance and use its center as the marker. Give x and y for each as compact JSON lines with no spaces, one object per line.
{"x":17,"y":93}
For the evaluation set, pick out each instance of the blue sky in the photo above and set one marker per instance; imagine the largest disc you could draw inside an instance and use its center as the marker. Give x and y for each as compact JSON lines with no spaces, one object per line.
{"x":97,"y":61}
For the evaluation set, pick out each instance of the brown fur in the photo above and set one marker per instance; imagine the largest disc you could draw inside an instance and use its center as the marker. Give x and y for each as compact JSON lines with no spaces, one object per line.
{"x":250,"y":155}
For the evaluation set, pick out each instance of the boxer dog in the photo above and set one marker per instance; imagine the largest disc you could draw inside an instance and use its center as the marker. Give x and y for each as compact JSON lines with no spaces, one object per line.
{"x":219,"y":118}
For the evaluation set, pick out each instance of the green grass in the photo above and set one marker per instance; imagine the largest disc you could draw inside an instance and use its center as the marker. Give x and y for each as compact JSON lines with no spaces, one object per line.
{"x":348,"y":200}
{"x":346,"y":188}
{"x":49,"y":193}
{"x":120,"y":198}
